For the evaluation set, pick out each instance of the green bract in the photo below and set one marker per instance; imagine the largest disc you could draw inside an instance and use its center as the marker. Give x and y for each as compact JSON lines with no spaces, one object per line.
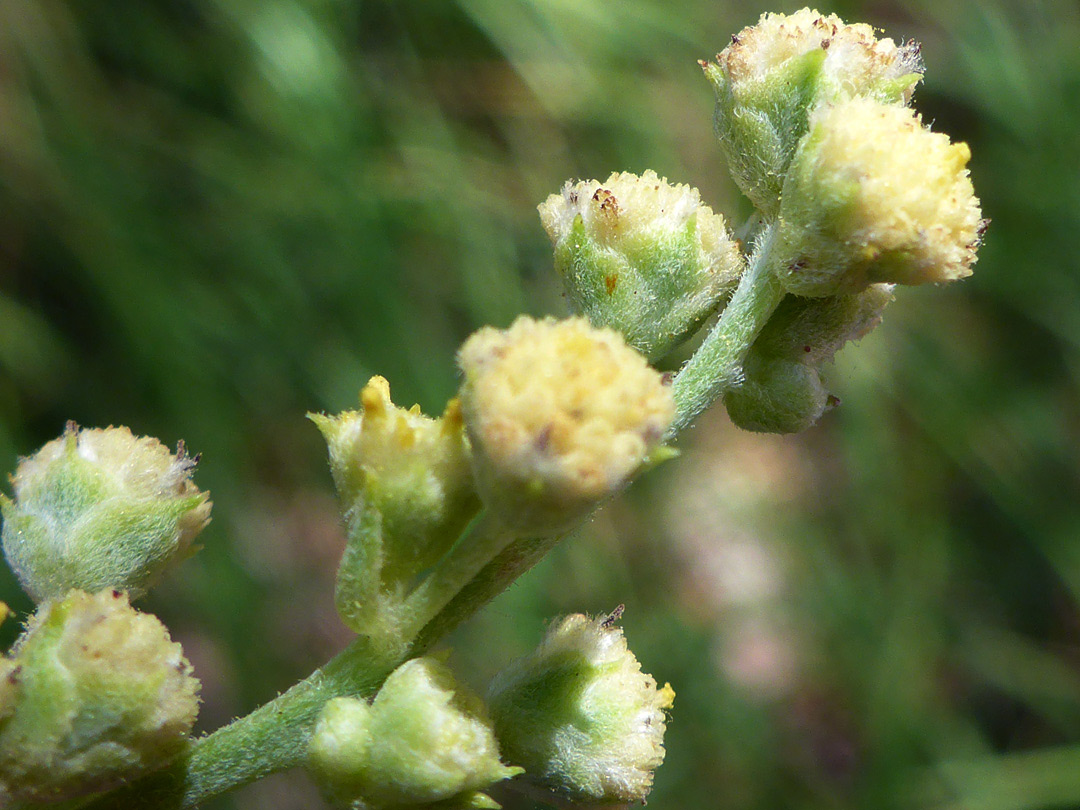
{"x":781,"y":390}
{"x":423,"y":740}
{"x":641,"y":256}
{"x":100,"y":509}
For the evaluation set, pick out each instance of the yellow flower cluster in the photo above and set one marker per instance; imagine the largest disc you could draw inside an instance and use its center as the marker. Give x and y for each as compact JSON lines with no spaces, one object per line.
{"x":560,"y":415}
{"x":874,"y":196}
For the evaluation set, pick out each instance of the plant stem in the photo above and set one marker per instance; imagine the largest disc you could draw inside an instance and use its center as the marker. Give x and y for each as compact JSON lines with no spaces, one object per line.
{"x":477,"y":569}
{"x":486,"y":538}
{"x":272,"y":738}
{"x":717,"y":364}
{"x":493,"y":579}
{"x":275,"y":736}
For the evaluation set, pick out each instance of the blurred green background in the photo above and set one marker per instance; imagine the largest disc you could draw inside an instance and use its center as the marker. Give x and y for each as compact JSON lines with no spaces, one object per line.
{"x":216,"y":215}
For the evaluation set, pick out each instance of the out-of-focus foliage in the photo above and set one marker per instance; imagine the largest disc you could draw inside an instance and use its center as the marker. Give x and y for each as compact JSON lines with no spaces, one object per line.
{"x":217,"y":215}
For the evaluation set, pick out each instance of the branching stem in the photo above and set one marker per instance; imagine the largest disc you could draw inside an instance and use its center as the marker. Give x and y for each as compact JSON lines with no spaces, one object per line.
{"x":275,"y":736}
{"x":717,"y":364}
{"x":486,"y":538}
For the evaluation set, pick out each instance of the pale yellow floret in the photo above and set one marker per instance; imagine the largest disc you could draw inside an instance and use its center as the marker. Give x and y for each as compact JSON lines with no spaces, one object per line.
{"x":391,"y":441}
{"x":560,"y":412}
{"x":628,"y":213}
{"x":855,"y":60}
{"x":406,"y":427}
{"x":892,"y":190}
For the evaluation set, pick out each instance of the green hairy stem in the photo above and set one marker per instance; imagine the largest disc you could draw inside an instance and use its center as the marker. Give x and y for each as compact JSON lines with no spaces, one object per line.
{"x":717,"y":364}
{"x":275,"y":736}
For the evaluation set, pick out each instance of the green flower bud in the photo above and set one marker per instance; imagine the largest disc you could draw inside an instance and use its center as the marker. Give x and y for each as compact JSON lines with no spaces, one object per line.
{"x":641,"y":256}
{"x":774,"y":74}
{"x":405,"y":485}
{"x":424,"y":739}
{"x":100,"y":509}
{"x":560,"y":416}
{"x":873,"y":196}
{"x":782,"y":391}
{"x":101,"y":696}
{"x":777,"y":396}
{"x":580,"y":715}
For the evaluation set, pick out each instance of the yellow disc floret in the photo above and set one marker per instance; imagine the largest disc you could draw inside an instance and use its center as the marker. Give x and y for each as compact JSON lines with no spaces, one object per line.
{"x":873,"y":196}
{"x":560,"y":415}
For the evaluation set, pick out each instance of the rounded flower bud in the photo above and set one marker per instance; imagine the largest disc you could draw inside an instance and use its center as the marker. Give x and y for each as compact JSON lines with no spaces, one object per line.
{"x":773,"y":74}
{"x":641,"y":256}
{"x":873,"y":196}
{"x":405,"y":485}
{"x":101,"y":696}
{"x":777,"y":396}
{"x":560,"y":415}
{"x":424,"y":739}
{"x":100,"y":509}
{"x":580,"y":715}
{"x":781,"y":390}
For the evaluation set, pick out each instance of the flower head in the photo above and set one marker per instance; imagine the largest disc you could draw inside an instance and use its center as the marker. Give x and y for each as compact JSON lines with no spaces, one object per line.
{"x":854,"y":61}
{"x":774,"y":74}
{"x":406,"y":491}
{"x":435,"y":743}
{"x":101,"y":695}
{"x":101,"y":509}
{"x":642,"y":256}
{"x":781,"y":390}
{"x":414,"y":469}
{"x":874,"y":196}
{"x":579,"y":714}
{"x":560,"y":416}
